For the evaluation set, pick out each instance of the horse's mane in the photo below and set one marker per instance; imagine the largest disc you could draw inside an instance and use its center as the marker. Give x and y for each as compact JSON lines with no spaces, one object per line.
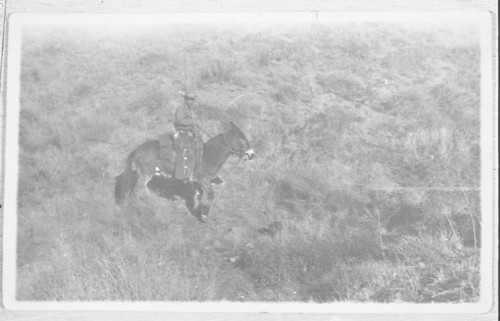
{"x":220,"y":137}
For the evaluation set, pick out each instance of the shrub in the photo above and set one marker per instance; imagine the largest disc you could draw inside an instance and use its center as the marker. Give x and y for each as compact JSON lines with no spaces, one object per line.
{"x":218,"y":71}
{"x":344,"y":85}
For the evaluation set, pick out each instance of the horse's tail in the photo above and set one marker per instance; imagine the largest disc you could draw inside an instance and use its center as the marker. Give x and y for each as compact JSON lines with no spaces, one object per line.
{"x":126,"y":181}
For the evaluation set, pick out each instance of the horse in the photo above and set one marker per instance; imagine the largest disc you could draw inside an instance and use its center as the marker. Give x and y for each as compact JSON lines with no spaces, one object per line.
{"x":143,"y":163}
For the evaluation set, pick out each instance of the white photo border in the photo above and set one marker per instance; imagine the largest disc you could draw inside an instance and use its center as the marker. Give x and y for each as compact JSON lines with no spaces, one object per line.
{"x":488,"y":161}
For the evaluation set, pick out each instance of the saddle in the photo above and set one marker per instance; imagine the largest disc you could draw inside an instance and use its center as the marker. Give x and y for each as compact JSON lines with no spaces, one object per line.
{"x":187,"y":148}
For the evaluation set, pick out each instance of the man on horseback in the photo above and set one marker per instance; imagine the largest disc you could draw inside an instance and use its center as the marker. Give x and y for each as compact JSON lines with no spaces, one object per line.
{"x":186,"y":143}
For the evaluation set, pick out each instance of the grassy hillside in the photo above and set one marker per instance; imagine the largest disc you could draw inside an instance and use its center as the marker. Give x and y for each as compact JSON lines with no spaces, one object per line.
{"x":365,"y":185}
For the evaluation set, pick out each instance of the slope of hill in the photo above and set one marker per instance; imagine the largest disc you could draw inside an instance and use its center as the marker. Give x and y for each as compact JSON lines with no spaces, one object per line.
{"x":365,"y":186}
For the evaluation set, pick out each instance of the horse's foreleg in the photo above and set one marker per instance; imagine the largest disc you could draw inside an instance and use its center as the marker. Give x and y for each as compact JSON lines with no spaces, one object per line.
{"x":192,"y":201}
{"x":206,"y":199}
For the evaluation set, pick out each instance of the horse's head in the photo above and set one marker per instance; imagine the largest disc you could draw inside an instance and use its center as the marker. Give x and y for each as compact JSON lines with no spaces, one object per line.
{"x":238,"y":143}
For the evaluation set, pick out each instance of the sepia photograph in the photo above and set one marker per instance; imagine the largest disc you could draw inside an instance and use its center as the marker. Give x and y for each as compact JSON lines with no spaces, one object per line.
{"x":302,"y":159}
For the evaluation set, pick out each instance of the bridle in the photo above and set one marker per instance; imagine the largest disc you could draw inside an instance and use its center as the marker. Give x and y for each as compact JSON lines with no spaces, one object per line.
{"x":226,"y":145}
{"x":236,"y":152}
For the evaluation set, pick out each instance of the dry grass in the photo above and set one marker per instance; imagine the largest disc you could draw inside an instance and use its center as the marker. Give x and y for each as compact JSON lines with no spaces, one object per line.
{"x":333,"y":113}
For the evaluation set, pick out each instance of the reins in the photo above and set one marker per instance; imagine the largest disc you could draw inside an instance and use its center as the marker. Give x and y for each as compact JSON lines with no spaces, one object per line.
{"x":227,"y":146}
